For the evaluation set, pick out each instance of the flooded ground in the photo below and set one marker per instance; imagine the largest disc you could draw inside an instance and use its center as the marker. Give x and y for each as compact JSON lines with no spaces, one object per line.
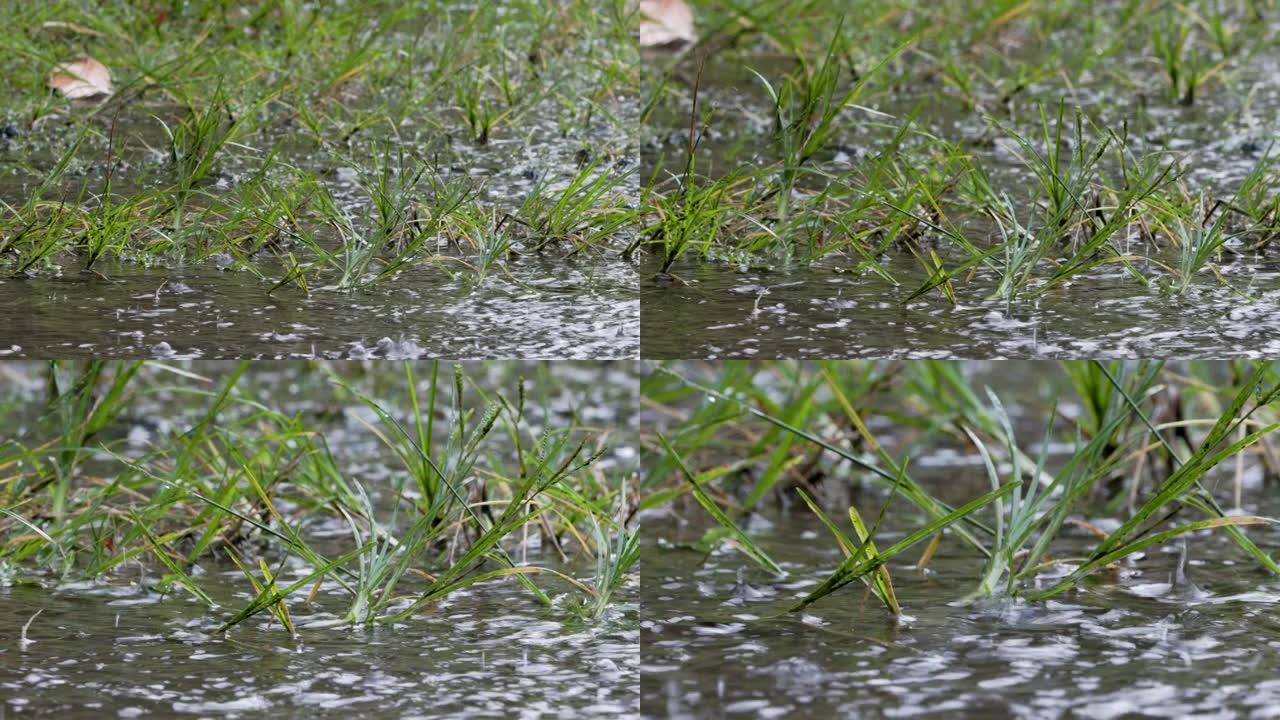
{"x":573,"y":310}
{"x":1181,"y":629}
{"x":117,"y":650}
{"x":130,"y":643}
{"x":787,"y":298}
{"x":236,"y":206}
{"x":552,"y":304}
{"x":821,"y":311}
{"x":1131,"y":645}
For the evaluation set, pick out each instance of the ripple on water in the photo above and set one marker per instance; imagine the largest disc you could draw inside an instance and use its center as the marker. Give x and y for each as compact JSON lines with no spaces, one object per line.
{"x":489,"y":652}
{"x":1110,"y":651}
{"x":722,"y":312}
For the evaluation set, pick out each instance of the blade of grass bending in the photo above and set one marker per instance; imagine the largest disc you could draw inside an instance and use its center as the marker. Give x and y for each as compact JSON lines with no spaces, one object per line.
{"x":853,"y":568}
{"x":280,"y":609}
{"x":1179,"y":483}
{"x":509,"y":521}
{"x":908,"y":487}
{"x":1205,"y":502}
{"x":882,"y":586}
{"x":1201,"y":462}
{"x":34,"y":529}
{"x":748,"y":547}
{"x":1143,"y":543}
{"x":882,"y":581}
{"x":479,"y":550}
{"x":1209,"y":506}
{"x":183,"y":578}
{"x":270,"y":595}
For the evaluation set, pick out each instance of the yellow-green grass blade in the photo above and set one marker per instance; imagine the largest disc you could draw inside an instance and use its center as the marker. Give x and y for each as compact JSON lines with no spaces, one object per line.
{"x":854,"y":567}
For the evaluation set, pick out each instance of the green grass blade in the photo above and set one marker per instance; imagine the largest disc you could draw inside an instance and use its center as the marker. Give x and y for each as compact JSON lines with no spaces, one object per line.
{"x":745,"y":543}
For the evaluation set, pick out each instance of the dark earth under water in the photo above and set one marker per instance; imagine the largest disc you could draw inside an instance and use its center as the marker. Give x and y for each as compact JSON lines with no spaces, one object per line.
{"x":588,"y":311}
{"x":818,"y":311}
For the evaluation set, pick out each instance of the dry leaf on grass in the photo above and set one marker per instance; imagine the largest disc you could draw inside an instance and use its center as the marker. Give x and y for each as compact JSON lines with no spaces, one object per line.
{"x":83,"y":78}
{"x":666,"y":22}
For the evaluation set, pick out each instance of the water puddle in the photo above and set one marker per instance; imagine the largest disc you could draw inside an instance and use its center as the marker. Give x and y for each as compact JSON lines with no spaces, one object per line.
{"x":1128,"y":646}
{"x":119,"y":651}
{"x":571,"y":310}
{"x":820,"y":311}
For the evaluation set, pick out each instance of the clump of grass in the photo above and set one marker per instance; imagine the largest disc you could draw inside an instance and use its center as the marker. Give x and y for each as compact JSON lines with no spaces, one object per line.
{"x":786,"y":183}
{"x":196,"y":142}
{"x":396,"y":229}
{"x":251,"y":118}
{"x":1174,"y":45}
{"x":1145,"y":443}
{"x":615,"y":557}
{"x":241,"y":480}
{"x":1199,"y":241}
{"x":694,"y":217}
{"x":805,"y":109}
{"x":587,"y":210}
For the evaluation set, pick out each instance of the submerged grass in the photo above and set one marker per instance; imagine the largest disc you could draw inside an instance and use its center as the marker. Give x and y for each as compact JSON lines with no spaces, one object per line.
{"x":1146,"y":443}
{"x":474,"y":483}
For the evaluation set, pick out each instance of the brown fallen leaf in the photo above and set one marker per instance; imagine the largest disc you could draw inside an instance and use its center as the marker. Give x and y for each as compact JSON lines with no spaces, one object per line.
{"x":82,"y":78}
{"x":665,"y":23}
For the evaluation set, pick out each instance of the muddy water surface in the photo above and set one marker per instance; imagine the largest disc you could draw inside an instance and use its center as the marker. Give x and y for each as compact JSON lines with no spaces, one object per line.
{"x":821,"y":311}
{"x":119,"y":650}
{"x":1142,"y":641}
{"x":545,"y":309}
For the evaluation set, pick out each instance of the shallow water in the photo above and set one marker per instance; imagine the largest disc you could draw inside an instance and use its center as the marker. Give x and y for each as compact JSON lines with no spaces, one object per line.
{"x":720,"y":311}
{"x":117,"y":650}
{"x":1129,"y":644}
{"x":116,"y":647}
{"x":587,"y":310}
{"x":1141,"y":639}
